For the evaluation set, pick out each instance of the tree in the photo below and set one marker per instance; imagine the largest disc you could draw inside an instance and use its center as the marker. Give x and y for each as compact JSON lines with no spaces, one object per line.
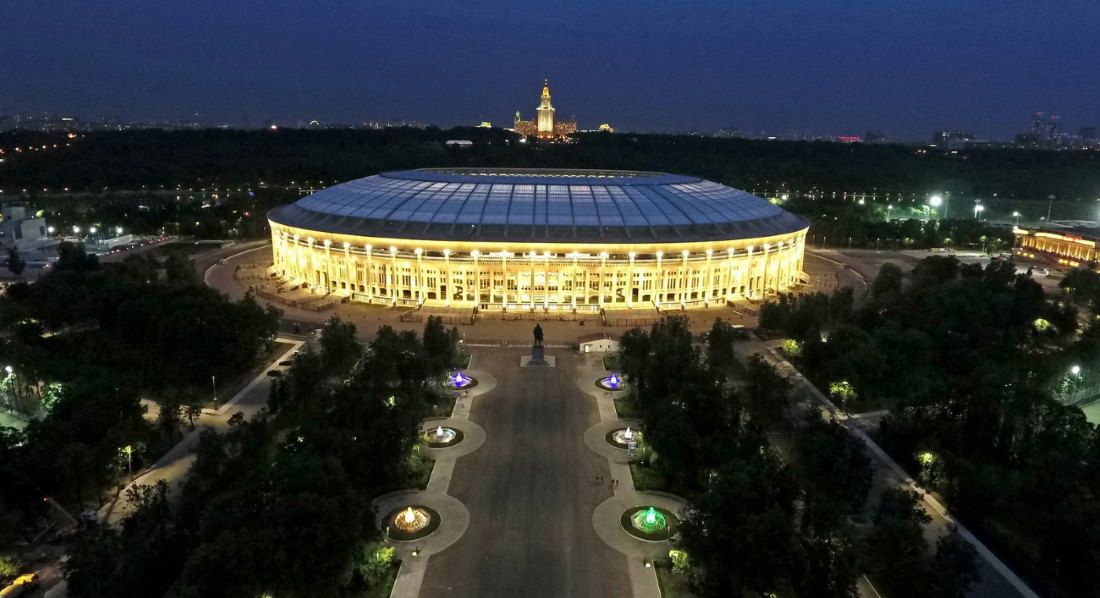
{"x":71,"y":256}
{"x":720,"y":342}
{"x":888,"y":282}
{"x":440,"y":345}
{"x":954,"y":567}
{"x":169,"y":418}
{"x":766,"y":393}
{"x":16,"y":263}
{"x":896,"y":547}
{"x":340,"y":348}
{"x":833,"y":464}
{"x":180,"y":269}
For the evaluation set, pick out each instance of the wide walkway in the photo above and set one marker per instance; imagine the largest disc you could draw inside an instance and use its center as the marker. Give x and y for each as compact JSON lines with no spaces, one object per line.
{"x":530,"y":491}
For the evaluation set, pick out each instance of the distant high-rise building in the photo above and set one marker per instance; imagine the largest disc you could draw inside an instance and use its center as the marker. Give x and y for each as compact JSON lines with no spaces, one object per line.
{"x":944,"y":138}
{"x":545,"y":126}
{"x":1046,"y":127}
{"x":729,"y":132}
{"x":1087,"y":133}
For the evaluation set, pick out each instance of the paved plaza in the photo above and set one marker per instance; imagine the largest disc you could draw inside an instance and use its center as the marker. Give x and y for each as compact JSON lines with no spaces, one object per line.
{"x":530,"y":491}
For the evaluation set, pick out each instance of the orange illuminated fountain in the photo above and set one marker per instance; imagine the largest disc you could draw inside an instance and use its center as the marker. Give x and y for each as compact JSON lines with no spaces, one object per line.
{"x":412,"y":519}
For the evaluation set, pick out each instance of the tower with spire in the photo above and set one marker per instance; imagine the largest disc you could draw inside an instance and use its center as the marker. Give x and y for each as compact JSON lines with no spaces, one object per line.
{"x":545,"y":113}
{"x":544,"y":126}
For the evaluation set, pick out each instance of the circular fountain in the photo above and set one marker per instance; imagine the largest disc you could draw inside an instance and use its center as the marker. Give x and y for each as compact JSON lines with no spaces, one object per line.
{"x":442,"y":437}
{"x":460,"y":381}
{"x":613,"y":382}
{"x":622,"y":437}
{"x":411,"y":523}
{"x":650,"y":523}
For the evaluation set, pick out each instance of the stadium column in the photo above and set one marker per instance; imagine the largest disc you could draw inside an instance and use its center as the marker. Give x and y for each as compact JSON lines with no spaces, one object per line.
{"x":729,"y":274}
{"x":663,"y":281}
{"x":477,"y":277}
{"x":329,"y":284}
{"x":630,"y":283}
{"x":419,"y":275}
{"x":546,"y":281}
{"x":603,"y":276}
{"x":709,"y":286}
{"x":450,"y":283}
{"x":530,"y":283}
{"x":684,"y":279}
{"x":749,"y":272}
{"x":391,"y":276}
{"x":504,"y":282}
{"x":296,"y":259}
{"x":370,"y":274}
{"x":351,"y":273}
{"x":767,"y":263}
{"x":573,"y":281}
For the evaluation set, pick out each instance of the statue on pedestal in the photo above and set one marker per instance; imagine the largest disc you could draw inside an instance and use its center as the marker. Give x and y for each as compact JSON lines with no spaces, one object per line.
{"x":538,"y":335}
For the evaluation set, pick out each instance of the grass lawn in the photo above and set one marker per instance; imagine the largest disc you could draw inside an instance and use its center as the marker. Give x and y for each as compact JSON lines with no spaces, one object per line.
{"x":1092,"y":412}
{"x":421,"y":473}
{"x":611,"y":362}
{"x":624,"y":408}
{"x":384,"y":587}
{"x":462,"y":360}
{"x":673,"y":585}
{"x":647,"y":478}
{"x":736,"y":371}
{"x":444,"y":405}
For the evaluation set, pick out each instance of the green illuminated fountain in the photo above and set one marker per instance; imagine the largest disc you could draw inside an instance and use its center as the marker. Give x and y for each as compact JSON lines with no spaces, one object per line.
{"x":648,"y":520}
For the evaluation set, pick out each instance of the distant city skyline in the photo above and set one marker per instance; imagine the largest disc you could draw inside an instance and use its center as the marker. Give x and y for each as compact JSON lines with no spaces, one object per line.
{"x":904,"y":69}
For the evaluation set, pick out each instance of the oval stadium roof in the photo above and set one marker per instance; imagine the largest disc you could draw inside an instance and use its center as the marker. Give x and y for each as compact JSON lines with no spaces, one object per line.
{"x":539,"y":206}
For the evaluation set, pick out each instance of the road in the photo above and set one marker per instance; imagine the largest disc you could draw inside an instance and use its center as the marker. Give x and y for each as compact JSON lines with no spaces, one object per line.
{"x":173,"y":466}
{"x":530,"y":491}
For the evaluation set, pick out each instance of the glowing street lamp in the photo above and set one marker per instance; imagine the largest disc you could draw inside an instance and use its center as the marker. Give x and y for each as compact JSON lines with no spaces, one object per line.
{"x":1017,"y":215}
{"x":978,"y":210}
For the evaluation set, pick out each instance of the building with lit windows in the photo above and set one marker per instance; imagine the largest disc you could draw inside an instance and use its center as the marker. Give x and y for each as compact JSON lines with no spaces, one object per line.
{"x":545,"y":125}
{"x":1067,"y":246}
{"x":506,"y":239}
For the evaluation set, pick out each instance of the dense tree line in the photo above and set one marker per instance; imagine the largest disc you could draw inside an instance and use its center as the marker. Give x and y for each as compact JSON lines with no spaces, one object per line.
{"x":758,"y":523}
{"x":226,"y":157}
{"x":975,"y":364}
{"x":84,"y":344}
{"x":280,"y":504}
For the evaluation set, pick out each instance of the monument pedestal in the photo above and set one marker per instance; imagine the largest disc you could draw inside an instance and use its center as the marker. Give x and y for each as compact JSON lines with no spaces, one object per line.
{"x":537,"y":358}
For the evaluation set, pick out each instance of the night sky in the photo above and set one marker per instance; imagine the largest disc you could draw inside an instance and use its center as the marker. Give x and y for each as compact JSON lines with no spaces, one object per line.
{"x":830,"y":67}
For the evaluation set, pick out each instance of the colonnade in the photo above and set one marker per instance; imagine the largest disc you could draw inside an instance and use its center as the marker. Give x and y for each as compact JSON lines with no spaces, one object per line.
{"x":543,"y":276}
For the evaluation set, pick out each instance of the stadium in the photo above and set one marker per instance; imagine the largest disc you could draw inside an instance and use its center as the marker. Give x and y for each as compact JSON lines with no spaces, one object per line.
{"x":512,"y":239}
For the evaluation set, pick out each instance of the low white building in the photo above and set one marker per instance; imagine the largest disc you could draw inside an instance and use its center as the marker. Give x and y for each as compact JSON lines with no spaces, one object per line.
{"x":599,"y":342}
{"x":19,"y":231}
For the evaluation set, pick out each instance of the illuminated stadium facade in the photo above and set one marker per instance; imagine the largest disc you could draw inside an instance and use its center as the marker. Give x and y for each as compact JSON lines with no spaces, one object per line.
{"x":579,"y":240}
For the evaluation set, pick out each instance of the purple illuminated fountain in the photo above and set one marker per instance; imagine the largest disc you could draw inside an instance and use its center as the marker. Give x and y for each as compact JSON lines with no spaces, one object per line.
{"x":612,"y":382}
{"x":459,"y":381}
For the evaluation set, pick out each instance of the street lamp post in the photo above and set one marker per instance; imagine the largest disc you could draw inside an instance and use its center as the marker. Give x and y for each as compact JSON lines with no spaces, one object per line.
{"x":978,"y":210}
{"x":1017,"y":215}
{"x":935,"y":201}
{"x":214,"y":385}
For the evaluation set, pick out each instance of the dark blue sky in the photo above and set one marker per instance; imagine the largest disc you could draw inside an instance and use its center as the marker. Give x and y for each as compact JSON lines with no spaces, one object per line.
{"x":906,"y":68}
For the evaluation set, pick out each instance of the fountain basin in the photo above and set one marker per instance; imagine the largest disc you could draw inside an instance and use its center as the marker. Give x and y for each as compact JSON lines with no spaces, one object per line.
{"x":650,"y":523}
{"x":442,"y":436}
{"x":411,"y":522}
{"x":614,"y":382}
{"x":621,"y":438}
{"x":460,"y":381}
